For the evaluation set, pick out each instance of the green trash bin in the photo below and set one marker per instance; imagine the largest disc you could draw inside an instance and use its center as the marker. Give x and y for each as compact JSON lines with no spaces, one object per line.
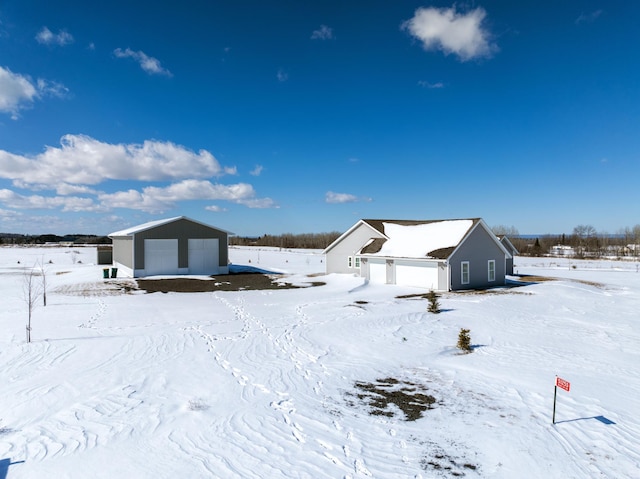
{"x":105,"y":273}
{"x":114,"y":272}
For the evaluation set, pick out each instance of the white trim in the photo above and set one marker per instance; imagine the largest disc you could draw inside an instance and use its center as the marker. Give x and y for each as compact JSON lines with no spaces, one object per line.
{"x":462,"y":265}
{"x":349,"y":231}
{"x":489,"y":270}
{"x":125,"y":270}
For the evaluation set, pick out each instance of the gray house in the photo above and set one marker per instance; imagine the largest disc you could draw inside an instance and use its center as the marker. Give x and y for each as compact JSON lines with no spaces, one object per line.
{"x":443,"y":255}
{"x":171,"y":246}
{"x":512,"y":251}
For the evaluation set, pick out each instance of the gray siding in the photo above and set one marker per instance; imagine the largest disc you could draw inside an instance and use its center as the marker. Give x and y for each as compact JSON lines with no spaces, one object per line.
{"x":336,"y":258}
{"x":182,"y":229}
{"x":105,"y":254}
{"x":123,"y":251}
{"x":509,"y":269}
{"x":477,"y":249}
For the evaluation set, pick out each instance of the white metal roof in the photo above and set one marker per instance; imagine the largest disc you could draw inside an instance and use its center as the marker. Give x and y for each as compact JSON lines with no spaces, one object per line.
{"x":152,"y":224}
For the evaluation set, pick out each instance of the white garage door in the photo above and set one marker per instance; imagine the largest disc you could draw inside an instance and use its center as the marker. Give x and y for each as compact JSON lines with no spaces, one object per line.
{"x":160,"y":256}
{"x":422,"y":276}
{"x":377,"y":272}
{"x":203,"y":256}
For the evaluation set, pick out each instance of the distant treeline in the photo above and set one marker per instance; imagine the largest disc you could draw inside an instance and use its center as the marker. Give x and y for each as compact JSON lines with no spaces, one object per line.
{"x":12,"y":238}
{"x":288,"y":240}
{"x":584,"y":241}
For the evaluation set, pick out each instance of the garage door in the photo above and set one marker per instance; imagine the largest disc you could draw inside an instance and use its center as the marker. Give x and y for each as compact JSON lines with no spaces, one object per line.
{"x":203,"y":256}
{"x":422,"y":276}
{"x":377,"y":272}
{"x":160,"y":256}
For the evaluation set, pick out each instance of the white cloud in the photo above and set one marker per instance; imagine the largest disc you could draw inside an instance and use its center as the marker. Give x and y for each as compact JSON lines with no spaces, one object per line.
{"x":322,"y":33}
{"x":15,"y":91}
{"x":148,"y":64}
{"x":47,"y":37}
{"x":18,"y":92}
{"x":155,"y":199}
{"x":282,"y":76}
{"x":332,"y":197}
{"x":426,"y":84}
{"x":215,"y":209}
{"x":7,"y":214}
{"x":67,"y":203}
{"x":257,"y":170}
{"x":459,"y":33}
{"x":65,"y":189}
{"x":52,"y":88}
{"x":82,"y":160}
{"x":258,"y":203}
{"x":588,"y":17}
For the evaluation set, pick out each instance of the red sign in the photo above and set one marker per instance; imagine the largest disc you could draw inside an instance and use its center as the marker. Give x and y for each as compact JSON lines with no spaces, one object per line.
{"x":562,"y":384}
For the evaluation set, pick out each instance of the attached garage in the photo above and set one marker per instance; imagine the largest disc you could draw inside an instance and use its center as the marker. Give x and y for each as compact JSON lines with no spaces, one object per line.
{"x":170,"y":247}
{"x":377,"y":271}
{"x":421,"y":275}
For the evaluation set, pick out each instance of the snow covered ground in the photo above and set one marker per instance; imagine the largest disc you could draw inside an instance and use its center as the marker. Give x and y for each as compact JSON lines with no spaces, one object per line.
{"x":279,"y":383}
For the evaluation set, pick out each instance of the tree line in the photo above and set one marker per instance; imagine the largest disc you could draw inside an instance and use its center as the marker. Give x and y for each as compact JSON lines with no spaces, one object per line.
{"x":20,"y":239}
{"x":288,"y":240}
{"x":584,"y":241}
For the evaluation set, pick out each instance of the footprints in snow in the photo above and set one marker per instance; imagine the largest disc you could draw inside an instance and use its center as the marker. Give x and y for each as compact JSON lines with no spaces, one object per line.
{"x":288,"y":347}
{"x":91,"y":323}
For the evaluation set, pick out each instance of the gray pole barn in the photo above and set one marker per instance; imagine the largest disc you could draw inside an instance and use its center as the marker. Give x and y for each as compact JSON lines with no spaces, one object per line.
{"x":170,"y":247}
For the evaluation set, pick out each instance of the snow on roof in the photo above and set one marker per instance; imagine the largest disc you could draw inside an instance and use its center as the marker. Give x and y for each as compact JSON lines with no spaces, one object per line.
{"x":418,"y":241}
{"x":143,"y":227}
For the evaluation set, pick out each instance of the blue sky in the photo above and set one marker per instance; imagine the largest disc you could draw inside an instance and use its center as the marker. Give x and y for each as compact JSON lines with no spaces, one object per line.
{"x":287,"y":116}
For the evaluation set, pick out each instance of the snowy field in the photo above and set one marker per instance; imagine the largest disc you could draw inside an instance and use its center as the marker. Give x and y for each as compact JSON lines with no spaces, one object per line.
{"x":282,"y":383}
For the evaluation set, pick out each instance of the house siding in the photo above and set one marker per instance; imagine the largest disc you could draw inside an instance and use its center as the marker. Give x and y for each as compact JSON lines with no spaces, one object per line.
{"x":123,"y":251}
{"x":336,"y":258}
{"x":478,"y":248}
{"x":182,"y":229}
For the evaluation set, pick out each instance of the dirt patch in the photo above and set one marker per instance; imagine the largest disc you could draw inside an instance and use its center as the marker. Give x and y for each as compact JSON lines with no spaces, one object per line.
{"x":385,"y":397}
{"x":228,"y":282}
{"x":445,"y":465}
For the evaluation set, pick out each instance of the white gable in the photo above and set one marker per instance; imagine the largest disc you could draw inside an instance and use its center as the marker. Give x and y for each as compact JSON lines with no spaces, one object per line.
{"x":417,"y":241}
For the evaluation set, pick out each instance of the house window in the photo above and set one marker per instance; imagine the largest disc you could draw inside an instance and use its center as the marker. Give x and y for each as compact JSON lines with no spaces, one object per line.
{"x":492,"y":270}
{"x":464,"y":270}
{"x":350,"y":261}
{"x":357,"y":261}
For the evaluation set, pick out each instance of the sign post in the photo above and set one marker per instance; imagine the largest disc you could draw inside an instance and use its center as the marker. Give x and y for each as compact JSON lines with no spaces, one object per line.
{"x":562,"y":384}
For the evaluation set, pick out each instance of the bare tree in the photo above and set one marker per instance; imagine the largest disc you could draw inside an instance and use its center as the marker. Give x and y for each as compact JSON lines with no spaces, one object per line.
{"x":584,"y":236}
{"x":502,"y":230}
{"x":31,"y":289}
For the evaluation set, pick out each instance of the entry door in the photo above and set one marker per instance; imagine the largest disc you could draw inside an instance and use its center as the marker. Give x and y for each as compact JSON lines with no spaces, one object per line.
{"x":160,"y":256}
{"x":203,"y":256}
